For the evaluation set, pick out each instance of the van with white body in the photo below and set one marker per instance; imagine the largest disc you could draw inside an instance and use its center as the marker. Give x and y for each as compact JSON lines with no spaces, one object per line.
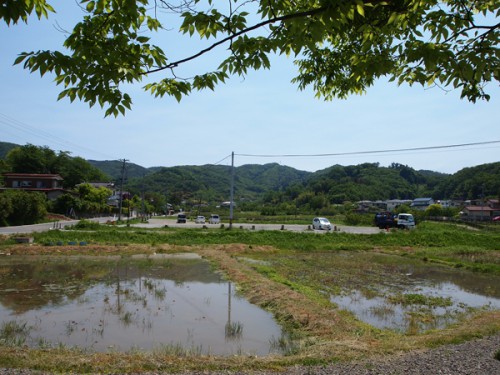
{"x":214,"y":219}
{"x":406,"y":221}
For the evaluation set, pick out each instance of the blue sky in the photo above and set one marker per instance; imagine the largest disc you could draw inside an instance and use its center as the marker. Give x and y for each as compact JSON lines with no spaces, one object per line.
{"x":261,"y":114}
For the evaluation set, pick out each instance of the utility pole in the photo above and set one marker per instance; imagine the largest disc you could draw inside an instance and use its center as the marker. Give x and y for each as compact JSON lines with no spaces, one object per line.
{"x":231,"y":199}
{"x":143,"y":204}
{"x":121,"y":188}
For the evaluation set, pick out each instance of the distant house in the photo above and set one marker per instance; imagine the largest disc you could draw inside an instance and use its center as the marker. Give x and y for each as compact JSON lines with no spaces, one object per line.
{"x":392,"y":204}
{"x":114,"y":199}
{"x":49,"y":184}
{"x":494,"y":203}
{"x":479,"y":213}
{"x":97,"y":185}
{"x":445,"y":203}
{"x":421,"y":203}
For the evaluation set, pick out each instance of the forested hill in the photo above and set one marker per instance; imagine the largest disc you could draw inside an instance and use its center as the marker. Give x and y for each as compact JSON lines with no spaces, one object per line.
{"x":114,"y":169}
{"x":210,"y":183}
{"x":277,"y":183}
{"x":337,"y":184}
{"x":5,"y":147}
{"x":370,"y":181}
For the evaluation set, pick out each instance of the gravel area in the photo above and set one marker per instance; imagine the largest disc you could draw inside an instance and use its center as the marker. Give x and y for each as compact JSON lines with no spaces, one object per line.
{"x":471,"y":358}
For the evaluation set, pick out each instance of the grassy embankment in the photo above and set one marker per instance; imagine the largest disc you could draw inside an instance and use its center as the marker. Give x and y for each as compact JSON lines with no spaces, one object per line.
{"x":291,"y":282}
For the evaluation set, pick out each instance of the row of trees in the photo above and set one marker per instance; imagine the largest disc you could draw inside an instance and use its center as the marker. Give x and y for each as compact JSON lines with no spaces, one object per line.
{"x":19,"y":207}
{"x":37,"y":159}
{"x":80,"y":198}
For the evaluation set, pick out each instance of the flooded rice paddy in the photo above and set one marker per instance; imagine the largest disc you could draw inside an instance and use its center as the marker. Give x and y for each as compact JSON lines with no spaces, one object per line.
{"x":179,"y":305}
{"x":174,"y":305}
{"x":416,"y":296}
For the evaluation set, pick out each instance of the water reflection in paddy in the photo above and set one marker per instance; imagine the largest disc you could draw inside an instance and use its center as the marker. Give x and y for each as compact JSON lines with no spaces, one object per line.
{"x":174,"y":304}
{"x":417,"y":297}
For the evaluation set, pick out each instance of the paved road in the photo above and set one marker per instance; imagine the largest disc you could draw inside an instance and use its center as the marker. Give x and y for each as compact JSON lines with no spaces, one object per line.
{"x":160,"y":223}
{"x":46,"y":226}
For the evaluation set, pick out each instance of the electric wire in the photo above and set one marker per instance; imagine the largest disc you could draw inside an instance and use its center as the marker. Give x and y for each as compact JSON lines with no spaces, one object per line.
{"x":54,"y":139}
{"x":220,"y":161}
{"x":18,"y":125}
{"x":426,"y":148}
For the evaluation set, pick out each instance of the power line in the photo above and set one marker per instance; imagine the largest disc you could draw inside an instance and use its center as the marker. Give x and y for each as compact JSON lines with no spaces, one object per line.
{"x":225,"y":158}
{"x":20,"y":126}
{"x":368,"y":152}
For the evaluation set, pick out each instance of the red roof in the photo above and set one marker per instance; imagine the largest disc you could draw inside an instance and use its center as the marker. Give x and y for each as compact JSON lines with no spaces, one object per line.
{"x":34,"y":175}
{"x":478,"y":208}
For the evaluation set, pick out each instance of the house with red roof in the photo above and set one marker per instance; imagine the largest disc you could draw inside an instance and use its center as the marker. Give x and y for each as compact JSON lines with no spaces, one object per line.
{"x":49,"y":184}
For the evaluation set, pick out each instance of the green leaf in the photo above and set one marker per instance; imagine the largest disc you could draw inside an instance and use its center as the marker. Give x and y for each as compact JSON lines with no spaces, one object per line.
{"x":361,"y":9}
{"x":90,"y":6}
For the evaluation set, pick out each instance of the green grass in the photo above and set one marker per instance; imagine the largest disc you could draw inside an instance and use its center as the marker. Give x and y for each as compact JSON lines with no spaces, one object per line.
{"x":447,"y":243}
{"x":420,"y":299}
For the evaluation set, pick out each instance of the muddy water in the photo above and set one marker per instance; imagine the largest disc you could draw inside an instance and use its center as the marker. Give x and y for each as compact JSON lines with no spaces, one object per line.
{"x":174,"y":305}
{"x":447,"y":295}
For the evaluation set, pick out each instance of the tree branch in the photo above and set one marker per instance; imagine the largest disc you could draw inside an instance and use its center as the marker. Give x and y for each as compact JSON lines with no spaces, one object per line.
{"x":287,"y":17}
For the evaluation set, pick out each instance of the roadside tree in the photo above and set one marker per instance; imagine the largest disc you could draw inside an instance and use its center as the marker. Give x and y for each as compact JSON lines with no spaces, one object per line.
{"x":93,"y":200}
{"x":19,"y":207}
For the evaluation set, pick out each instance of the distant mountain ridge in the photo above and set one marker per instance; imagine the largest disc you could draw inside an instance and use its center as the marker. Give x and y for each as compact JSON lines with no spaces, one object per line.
{"x":113,"y":168}
{"x":278,"y":183}
{"x":5,"y":147}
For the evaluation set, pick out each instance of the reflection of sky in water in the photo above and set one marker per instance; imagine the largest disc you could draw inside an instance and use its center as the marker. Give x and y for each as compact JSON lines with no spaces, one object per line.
{"x":380,"y":313}
{"x":148,"y":313}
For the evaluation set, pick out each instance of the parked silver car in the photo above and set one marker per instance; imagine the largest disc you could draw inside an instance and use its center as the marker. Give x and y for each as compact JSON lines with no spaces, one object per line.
{"x":200,"y":220}
{"x":321,"y":223}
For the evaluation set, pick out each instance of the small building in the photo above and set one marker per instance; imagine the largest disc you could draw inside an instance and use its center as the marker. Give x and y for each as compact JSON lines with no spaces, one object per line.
{"x":49,"y":184}
{"x":494,"y":203}
{"x":421,"y":203}
{"x":392,"y":204}
{"x":479,"y":213}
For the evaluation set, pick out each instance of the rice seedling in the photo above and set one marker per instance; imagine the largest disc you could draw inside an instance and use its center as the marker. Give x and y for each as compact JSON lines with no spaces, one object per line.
{"x":13,"y":333}
{"x":233,"y":330}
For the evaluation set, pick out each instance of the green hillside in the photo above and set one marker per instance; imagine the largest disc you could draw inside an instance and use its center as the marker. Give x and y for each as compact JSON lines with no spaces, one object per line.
{"x":5,"y":147}
{"x":113,"y":168}
{"x":277,"y":184}
{"x":211,"y":183}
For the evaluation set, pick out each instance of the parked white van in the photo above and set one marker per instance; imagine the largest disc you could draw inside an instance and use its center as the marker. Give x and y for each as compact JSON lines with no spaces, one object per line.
{"x":406,"y":221}
{"x":214,"y":219}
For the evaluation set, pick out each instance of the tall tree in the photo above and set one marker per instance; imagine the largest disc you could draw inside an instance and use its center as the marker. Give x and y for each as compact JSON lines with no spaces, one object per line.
{"x":37,"y":159}
{"x":340,"y":47}
{"x":32,"y":159}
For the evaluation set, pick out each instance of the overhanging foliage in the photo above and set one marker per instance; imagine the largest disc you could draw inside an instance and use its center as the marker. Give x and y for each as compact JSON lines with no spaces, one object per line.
{"x":340,"y":47}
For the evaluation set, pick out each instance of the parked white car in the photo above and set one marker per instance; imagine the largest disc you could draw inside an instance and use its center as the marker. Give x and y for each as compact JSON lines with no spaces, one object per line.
{"x":321,"y":223}
{"x":214,"y":219}
{"x":200,"y":220}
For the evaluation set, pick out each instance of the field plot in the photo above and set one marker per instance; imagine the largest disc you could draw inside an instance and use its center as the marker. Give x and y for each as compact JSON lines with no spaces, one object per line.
{"x":171,"y":304}
{"x":319,"y":299}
